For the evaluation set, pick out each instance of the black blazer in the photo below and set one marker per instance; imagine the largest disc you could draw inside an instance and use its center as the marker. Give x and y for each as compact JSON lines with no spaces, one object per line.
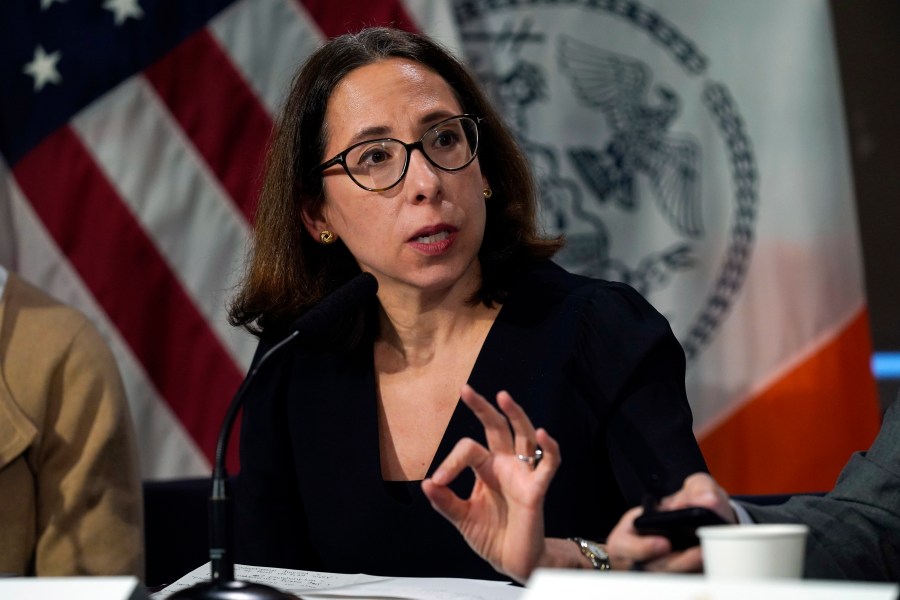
{"x":590,"y":361}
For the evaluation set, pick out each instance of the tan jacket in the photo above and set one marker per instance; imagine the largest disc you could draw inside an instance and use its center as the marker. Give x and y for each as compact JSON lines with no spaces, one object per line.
{"x":70,"y":490}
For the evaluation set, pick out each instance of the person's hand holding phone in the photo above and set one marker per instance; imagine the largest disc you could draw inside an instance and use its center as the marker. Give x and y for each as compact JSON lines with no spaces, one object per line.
{"x":679,"y":526}
{"x":675,"y":517}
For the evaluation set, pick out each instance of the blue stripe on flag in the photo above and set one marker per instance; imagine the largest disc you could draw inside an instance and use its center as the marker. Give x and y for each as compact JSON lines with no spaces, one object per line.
{"x":886,"y":365}
{"x":95,"y":54}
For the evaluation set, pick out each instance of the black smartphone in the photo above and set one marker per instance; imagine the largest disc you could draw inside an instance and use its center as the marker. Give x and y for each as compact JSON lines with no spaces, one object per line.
{"x":679,"y":526}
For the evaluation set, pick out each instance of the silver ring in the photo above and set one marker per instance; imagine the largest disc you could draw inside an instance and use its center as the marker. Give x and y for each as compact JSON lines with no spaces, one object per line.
{"x":532,"y":460}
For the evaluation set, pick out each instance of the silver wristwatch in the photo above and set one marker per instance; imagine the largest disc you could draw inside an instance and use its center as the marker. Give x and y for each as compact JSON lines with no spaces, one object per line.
{"x":594,"y":552}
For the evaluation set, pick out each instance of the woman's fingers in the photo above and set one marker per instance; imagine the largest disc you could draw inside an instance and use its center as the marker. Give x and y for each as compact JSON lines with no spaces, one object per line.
{"x":626,"y":547}
{"x":496,"y":427}
{"x":525,"y":442}
{"x":700,"y":489}
{"x":443,"y":500}
{"x":533,"y":447}
{"x":551,"y":457}
{"x":686,"y":561}
{"x":522,"y":440}
{"x":466,"y":454}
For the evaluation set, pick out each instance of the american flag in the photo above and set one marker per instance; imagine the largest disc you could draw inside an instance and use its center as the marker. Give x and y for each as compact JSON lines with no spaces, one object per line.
{"x":133,"y":134}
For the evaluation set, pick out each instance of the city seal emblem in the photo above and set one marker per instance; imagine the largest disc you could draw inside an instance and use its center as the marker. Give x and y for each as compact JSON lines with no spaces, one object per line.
{"x":642,"y":160}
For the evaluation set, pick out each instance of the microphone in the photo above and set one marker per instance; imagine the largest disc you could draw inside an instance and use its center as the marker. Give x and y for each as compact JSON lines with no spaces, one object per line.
{"x":222,"y":585}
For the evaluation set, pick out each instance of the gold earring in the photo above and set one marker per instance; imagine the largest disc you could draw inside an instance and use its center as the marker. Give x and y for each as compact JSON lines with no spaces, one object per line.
{"x":327,"y":236}
{"x":488,"y":192}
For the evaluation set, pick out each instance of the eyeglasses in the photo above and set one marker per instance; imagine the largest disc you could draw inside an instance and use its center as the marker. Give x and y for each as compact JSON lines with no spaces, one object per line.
{"x":379,"y":165}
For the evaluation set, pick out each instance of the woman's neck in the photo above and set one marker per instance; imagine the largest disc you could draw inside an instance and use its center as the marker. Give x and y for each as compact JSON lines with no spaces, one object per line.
{"x":412,"y":334}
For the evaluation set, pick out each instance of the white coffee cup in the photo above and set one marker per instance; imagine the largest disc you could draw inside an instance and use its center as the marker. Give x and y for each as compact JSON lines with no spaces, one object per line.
{"x":753,"y":551}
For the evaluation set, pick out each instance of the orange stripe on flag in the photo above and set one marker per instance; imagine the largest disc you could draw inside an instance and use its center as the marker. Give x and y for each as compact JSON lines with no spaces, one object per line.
{"x":797,"y":435}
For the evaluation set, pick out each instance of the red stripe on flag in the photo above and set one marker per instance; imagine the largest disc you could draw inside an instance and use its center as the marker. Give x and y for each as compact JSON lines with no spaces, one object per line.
{"x":156,"y":317}
{"x":218,"y":111}
{"x":793,"y":437}
{"x":334,"y":18}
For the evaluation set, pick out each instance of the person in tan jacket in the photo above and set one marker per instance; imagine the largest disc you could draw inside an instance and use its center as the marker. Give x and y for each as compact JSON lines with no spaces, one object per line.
{"x":70,"y":489}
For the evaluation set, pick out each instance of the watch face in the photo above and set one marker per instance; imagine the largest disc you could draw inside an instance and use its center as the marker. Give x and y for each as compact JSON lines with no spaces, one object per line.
{"x":596,"y":549}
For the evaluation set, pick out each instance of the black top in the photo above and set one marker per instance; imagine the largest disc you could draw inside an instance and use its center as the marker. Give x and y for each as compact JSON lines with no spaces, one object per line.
{"x":591,"y":361}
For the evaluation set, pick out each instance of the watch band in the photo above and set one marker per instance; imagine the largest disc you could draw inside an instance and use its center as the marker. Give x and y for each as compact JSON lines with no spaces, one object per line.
{"x":594,"y":552}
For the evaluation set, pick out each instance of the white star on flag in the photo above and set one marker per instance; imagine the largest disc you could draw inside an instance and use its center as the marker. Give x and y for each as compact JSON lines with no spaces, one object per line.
{"x":123,"y":9}
{"x":43,"y":68}
{"x":45,"y":4}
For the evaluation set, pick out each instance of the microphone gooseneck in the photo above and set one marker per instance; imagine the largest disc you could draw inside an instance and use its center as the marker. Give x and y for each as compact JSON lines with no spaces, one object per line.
{"x":222,"y":585}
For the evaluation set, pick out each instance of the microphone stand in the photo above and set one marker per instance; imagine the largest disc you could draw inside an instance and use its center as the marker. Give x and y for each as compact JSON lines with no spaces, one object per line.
{"x":222,"y":585}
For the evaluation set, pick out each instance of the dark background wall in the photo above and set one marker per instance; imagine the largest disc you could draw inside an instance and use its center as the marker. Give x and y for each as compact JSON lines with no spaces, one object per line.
{"x":868,"y":42}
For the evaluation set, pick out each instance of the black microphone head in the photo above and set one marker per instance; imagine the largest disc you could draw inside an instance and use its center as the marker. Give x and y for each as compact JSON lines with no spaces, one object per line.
{"x":336,"y":306}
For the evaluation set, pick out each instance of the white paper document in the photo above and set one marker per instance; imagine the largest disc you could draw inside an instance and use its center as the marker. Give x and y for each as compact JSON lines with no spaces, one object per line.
{"x":314,"y":585}
{"x":72,"y":588}
{"x":550,"y":584}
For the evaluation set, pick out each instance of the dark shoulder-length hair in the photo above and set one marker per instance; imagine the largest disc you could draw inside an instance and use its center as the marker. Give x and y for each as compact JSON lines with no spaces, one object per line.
{"x":288,"y":271}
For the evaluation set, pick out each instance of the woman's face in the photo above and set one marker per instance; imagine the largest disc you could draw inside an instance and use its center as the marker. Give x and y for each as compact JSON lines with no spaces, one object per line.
{"x":425,"y":232}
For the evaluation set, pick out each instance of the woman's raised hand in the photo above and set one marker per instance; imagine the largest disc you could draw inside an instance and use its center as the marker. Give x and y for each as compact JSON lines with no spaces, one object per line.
{"x":502,"y":520}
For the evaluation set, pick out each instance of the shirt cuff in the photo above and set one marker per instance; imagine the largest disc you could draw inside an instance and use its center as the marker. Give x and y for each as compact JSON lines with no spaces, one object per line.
{"x":743,"y":517}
